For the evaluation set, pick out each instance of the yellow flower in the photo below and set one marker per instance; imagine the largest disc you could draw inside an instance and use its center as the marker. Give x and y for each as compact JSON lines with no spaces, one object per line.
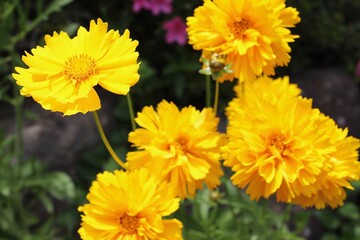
{"x":341,"y":167}
{"x":61,"y":75}
{"x":181,"y":146}
{"x":253,"y":34}
{"x":279,"y":145}
{"x":130,"y":205}
{"x":270,"y":89}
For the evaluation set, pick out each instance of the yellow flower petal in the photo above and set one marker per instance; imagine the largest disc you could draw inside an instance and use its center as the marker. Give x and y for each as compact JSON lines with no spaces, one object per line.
{"x":181,"y":146}
{"x":62,"y":75}
{"x":278,"y":144}
{"x":253,"y":34}
{"x":130,"y":205}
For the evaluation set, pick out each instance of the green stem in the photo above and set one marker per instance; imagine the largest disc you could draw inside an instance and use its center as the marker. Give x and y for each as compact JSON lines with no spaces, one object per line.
{"x":19,"y":124}
{"x":285,"y":217}
{"x":208,"y":91}
{"x":106,"y":142}
{"x":243,"y":231}
{"x":131,"y":111}
{"x":216,"y":98}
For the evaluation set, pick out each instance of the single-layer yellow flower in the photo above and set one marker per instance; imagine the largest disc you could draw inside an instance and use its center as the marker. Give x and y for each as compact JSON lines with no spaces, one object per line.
{"x":130,"y":205}
{"x":180,"y":146}
{"x":61,"y":75}
{"x":279,"y":145}
{"x":253,"y":34}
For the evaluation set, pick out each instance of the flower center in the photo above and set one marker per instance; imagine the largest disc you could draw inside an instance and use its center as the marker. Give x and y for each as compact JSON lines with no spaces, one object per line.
{"x":79,"y":67}
{"x":128,"y":223}
{"x":239,"y":27}
{"x":277,"y":141}
{"x":180,"y":145}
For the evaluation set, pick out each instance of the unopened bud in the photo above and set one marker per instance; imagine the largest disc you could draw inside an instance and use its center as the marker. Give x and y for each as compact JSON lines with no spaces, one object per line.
{"x":217,"y":62}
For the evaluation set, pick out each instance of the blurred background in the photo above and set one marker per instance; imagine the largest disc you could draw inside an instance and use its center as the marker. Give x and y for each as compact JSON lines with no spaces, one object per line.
{"x":47,"y":161}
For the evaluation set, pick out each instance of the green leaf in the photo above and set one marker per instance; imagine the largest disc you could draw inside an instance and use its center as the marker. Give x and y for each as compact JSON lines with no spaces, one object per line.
{"x":56,"y":5}
{"x":5,"y":188}
{"x":60,"y":185}
{"x":46,"y":201}
{"x":349,"y":210}
{"x":225,"y":219}
{"x":196,"y":235}
{"x":329,"y":219}
{"x":145,"y":70}
{"x":329,"y":236}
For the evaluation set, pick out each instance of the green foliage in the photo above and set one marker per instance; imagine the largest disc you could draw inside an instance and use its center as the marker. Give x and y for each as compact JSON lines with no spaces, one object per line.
{"x":16,"y":16}
{"x":342,"y":223}
{"x":27,"y":194}
{"x":230,"y":214}
{"x":329,"y":34}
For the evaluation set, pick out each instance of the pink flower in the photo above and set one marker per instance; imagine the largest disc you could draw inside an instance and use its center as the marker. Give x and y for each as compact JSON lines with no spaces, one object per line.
{"x":139,"y":4}
{"x":357,"y":71}
{"x":175,"y":31}
{"x":158,"y":6}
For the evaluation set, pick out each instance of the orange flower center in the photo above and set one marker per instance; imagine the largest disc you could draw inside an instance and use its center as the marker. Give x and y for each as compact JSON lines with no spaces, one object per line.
{"x":79,"y":67}
{"x":180,"y":145}
{"x":128,"y":223}
{"x":277,"y":141}
{"x":239,"y":27}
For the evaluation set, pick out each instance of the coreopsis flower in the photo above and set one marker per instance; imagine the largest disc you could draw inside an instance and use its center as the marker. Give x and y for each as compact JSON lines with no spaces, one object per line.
{"x":341,"y":167}
{"x":61,"y":75}
{"x":130,"y":205}
{"x":279,"y":88}
{"x":175,"y":31}
{"x":253,"y":34}
{"x":180,"y":146}
{"x":279,"y":145}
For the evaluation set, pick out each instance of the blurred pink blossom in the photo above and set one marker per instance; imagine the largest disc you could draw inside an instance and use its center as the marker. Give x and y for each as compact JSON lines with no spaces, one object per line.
{"x":357,"y":70}
{"x":175,"y":31}
{"x":158,"y":6}
{"x":139,"y":4}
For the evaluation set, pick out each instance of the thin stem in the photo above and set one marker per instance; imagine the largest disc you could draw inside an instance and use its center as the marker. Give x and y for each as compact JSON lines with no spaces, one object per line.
{"x":131,"y":111}
{"x":106,"y":142}
{"x":19,"y":125}
{"x":285,"y":217}
{"x":208,"y":91}
{"x":216,"y":98}
{"x":18,"y":101}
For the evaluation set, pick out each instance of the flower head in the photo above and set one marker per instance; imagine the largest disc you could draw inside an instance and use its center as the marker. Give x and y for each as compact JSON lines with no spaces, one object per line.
{"x":278,"y":144}
{"x":130,"y":205}
{"x":180,"y":146}
{"x":175,"y":31}
{"x":61,"y":75}
{"x":253,"y":34}
{"x":340,"y":168}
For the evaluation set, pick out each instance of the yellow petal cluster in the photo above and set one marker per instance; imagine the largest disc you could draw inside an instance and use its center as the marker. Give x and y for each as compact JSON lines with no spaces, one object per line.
{"x":130,"y":205}
{"x":254,"y":35}
{"x":180,"y":146}
{"x":279,"y":145}
{"x":61,"y":75}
